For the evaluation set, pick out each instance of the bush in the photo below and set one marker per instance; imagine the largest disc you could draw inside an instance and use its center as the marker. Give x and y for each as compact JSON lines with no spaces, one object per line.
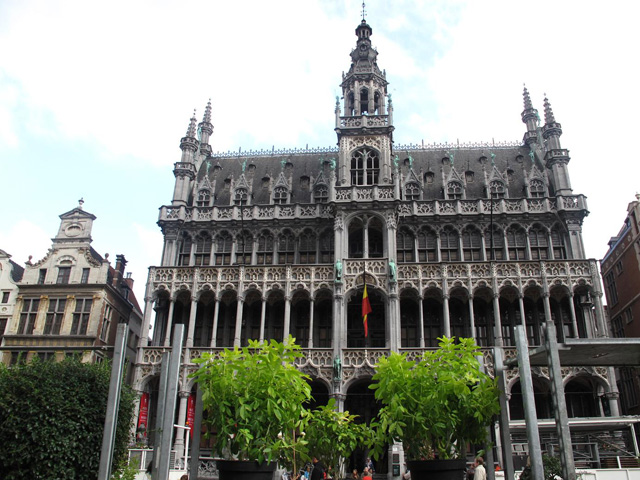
{"x":52,"y":419}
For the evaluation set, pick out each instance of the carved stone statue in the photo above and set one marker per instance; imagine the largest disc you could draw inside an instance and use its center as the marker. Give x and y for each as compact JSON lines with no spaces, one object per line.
{"x":392,"y":271}
{"x":338,"y":271}
{"x":337,"y":369}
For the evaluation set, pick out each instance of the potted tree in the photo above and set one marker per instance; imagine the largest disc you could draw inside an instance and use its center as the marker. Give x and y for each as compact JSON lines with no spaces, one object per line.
{"x":435,"y":406}
{"x":254,"y":399}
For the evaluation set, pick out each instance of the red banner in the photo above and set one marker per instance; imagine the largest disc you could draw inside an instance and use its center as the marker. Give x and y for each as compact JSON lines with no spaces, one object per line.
{"x":191,"y":412}
{"x":143,"y":418}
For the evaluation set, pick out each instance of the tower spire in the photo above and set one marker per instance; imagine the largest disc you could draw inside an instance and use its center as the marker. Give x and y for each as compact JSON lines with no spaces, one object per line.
{"x":530,"y":117}
{"x":363,"y":13}
{"x":205,"y":128}
{"x":548,"y":113}
{"x":556,"y":157}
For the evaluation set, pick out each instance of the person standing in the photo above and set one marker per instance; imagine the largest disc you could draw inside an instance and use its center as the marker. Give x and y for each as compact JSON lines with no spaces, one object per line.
{"x":480,"y":473}
{"x":318,"y":470}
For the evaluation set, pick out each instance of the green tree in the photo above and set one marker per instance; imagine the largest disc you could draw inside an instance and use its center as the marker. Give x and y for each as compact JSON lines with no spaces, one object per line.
{"x":52,"y":418}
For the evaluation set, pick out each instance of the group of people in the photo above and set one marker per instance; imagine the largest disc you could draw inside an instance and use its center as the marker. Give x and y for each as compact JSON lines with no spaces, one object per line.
{"x":367,"y":471}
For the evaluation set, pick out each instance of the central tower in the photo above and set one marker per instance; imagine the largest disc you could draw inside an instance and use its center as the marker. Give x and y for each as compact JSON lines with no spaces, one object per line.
{"x":365,"y":130}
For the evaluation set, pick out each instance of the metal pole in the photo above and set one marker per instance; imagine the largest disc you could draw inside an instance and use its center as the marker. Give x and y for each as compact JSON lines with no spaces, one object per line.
{"x":170,"y":404}
{"x":113,"y":402}
{"x":526,"y":381}
{"x":162,"y":393}
{"x":505,"y":434}
{"x":197,"y":428}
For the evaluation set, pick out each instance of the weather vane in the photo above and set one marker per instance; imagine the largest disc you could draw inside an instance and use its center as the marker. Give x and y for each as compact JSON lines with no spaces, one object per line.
{"x":363,"y":11}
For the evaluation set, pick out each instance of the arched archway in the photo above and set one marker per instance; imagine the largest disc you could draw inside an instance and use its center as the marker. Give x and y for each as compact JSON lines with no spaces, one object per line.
{"x":409,"y":319}
{"x":376,"y":320}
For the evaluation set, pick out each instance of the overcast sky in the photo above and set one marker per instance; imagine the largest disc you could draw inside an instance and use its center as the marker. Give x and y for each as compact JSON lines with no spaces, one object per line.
{"x":95,"y":96}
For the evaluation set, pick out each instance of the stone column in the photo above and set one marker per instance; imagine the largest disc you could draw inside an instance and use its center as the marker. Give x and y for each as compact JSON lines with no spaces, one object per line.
{"x":445,"y":315}
{"x":178,"y":444}
{"x":167,"y":333}
{"x":421,"y":325}
{"x":574,"y":321}
{"x":311,"y":312}
{"x":263,"y":318}
{"x":216,"y":312}
{"x":599,"y":313}
{"x":523,"y":320}
{"x":497,"y":320}
{"x":192,"y":321}
{"x":287,"y":317}
{"x":146,"y":322}
{"x":472,"y":322}
{"x":238,"y":331}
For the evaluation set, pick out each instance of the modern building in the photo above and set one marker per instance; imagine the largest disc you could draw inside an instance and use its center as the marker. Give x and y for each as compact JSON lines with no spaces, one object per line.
{"x":450,"y":239}
{"x":620,"y":269}
{"x":71,"y":301}
{"x":10,"y":275}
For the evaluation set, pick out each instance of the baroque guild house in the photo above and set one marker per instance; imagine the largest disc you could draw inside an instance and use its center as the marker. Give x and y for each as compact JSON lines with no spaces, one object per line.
{"x":451,"y":239}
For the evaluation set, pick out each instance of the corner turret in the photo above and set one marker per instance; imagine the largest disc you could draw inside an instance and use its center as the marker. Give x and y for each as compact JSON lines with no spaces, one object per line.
{"x":530,"y":117}
{"x":185,"y":170}
{"x":556,"y":158}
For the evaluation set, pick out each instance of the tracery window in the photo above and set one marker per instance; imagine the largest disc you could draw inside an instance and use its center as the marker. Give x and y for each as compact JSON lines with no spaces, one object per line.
{"x":240,"y":196}
{"x":280,"y":195}
{"x":494,"y":238}
{"x":321,"y":193}
{"x":427,"y":246}
{"x":286,"y":248}
{"x":517,"y":243}
{"x":472,"y":245}
{"x":224,"y":244}
{"x":454,"y":190}
{"x":365,"y":167}
{"x":265,"y":249}
{"x":184,"y":255}
{"x":404,"y":246}
{"x":203,"y":199}
{"x":244,"y":248}
{"x":536,"y":189}
{"x":202,"y":253}
{"x":308,"y":243}
{"x":364,"y":101}
{"x":449,"y":245}
{"x":326,"y":246}
{"x":557,"y":242}
{"x":412,"y":191}
{"x":539,"y":243}
{"x":496,"y":189}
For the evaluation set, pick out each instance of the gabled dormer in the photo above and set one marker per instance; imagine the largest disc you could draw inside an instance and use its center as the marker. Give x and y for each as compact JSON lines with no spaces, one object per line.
{"x":496,"y":184}
{"x":411,"y":186}
{"x":241,"y":191}
{"x":320,"y":189}
{"x":281,"y":190}
{"x":454,"y":185}
{"x":204,"y":192}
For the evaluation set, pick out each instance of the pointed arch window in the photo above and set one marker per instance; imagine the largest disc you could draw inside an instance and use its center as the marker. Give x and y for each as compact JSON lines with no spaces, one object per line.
{"x":536,"y":189}
{"x":376,"y":103}
{"x":517,"y":243}
{"x":280,"y":195}
{"x":351,"y":104}
{"x":321,"y":193}
{"x":203,"y":199}
{"x":557,"y":241}
{"x":494,"y":238}
{"x":224,"y":244}
{"x":265,"y":249}
{"x":454,"y":191}
{"x":286,"y":248}
{"x":326,"y":246}
{"x":496,"y":189}
{"x":240,"y":196}
{"x":364,"y":101}
{"x":308,"y":242}
{"x":244,"y":248}
{"x":449,"y":245}
{"x":365,"y":167}
{"x":472,"y":245}
{"x":404,"y":246}
{"x":184,"y":256}
{"x":427,"y":246}
{"x":202,"y":252}
{"x":539,"y":243}
{"x":412,"y":191}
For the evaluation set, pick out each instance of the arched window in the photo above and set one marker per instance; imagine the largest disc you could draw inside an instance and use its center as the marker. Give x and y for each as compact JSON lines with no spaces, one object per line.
{"x":244,"y":248}
{"x":351,"y":104}
{"x":356,"y":239}
{"x":412,"y":191}
{"x":308,"y":243}
{"x":365,"y":167}
{"x":364,"y":101}
{"x":265,"y":249}
{"x":496,"y":189}
{"x":223,"y":249}
{"x":517,"y":243}
{"x":326,"y":246}
{"x":376,"y":103}
{"x":494,"y":238}
{"x":203,"y":199}
{"x":376,"y":242}
{"x":454,"y":190}
{"x":404,"y":246}
{"x":559,"y":248}
{"x":427,"y":244}
{"x":536,"y":189}
{"x":240,"y":196}
{"x":321,"y":193}
{"x":286,"y":248}
{"x":449,"y":245}
{"x":202,"y":252}
{"x":472,"y":245}
{"x":185,"y":250}
{"x":280,"y":195}
{"x":539,"y":243}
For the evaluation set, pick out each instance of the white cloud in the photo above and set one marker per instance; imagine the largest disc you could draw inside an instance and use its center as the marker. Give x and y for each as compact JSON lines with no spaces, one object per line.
{"x":25,"y":239}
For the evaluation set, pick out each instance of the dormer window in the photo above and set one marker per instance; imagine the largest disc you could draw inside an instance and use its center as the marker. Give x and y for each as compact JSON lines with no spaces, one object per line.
{"x":365,"y":167}
{"x":496,"y":189}
{"x":280,"y":195}
{"x":203,"y":199}
{"x":454,"y":190}
{"x":240,"y":196}
{"x":321,"y":194}
{"x":412,"y":191}
{"x":536,"y":189}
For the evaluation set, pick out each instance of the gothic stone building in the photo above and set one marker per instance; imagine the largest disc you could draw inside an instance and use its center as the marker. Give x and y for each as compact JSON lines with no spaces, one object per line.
{"x":451,"y":239}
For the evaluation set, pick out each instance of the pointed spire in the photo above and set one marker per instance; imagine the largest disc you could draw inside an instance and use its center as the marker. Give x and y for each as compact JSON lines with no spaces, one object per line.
{"x":527,"y":99}
{"x":548,"y":113}
{"x":191,"y":131}
{"x":207,"y":113}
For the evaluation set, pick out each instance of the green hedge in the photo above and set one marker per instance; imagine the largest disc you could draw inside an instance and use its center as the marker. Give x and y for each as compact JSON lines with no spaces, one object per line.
{"x":52,"y":418}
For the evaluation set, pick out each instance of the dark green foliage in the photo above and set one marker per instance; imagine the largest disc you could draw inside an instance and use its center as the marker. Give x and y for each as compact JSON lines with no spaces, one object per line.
{"x":52,"y":418}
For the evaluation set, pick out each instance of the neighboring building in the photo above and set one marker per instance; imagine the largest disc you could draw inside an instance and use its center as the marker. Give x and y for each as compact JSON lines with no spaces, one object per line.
{"x":452,"y":239}
{"x":620,"y":269}
{"x":71,"y":301}
{"x":10,"y":275}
